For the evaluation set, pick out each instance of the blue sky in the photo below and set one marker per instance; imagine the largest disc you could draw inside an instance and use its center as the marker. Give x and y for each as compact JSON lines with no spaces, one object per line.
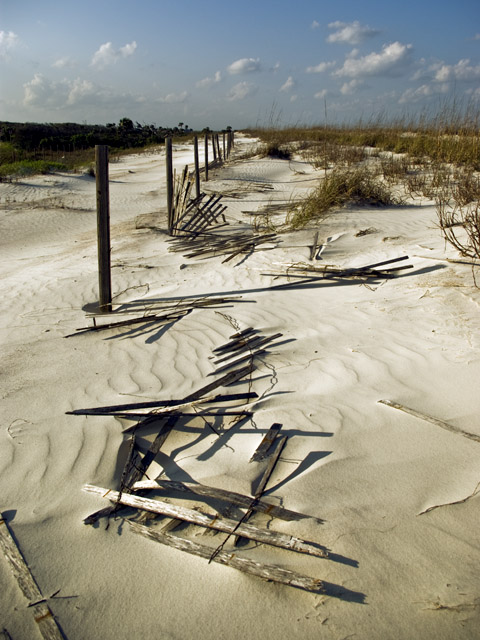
{"x":218,"y":63}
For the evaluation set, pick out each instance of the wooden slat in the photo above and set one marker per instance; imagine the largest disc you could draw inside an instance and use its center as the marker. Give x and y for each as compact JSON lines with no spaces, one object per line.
{"x":259,"y":341}
{"x":264,"y":446}
{"x":209,"y":521}
{"x":42,"y":613}
{"x":435,"y":421}
{"x":238,"y":499}
{"x":265,"y":571}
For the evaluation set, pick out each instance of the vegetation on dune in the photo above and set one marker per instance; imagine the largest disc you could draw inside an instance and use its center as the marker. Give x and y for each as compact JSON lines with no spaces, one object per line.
{"x":341,"y":187}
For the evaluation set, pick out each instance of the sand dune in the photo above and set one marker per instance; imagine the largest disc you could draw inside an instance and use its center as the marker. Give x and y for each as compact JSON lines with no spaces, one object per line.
{"x":365,"y":469}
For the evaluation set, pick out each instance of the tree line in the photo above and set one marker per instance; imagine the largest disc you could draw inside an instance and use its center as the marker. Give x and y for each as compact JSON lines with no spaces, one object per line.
{"x":126,"y":134}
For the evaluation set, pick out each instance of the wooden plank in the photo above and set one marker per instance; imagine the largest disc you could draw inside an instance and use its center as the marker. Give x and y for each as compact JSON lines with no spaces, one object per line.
{"x":239,"y":339}
{"x":266,"y":536}
{"x":265,"y":571}
{"x":262,"y":449}
{"x":273,"y":458}
{"x":249,"y":356}
{"x":42,"y":613}
{"x":103,"y":227}
{"x":238,"y":499}
{"x":169,"y":404}
{"x":139,"y":470}
{"x":259,"y":341}
{"x":169,"y":317}
{"x":435,"y":421}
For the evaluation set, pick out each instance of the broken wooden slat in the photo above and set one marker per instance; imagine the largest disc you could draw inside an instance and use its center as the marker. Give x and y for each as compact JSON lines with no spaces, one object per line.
{"x":234,"y":339}
{"x":266,"y":443}
{"x":169,"y":404}
{"x":259,"y":341}
{"x":274,"y":456}
{"x":265,"y":571}
{"x":138,"y":471}
{"x":438,"y":423}
{"x":42,"y":613}
{"x":133,"y":415}
{"x":238,"y":499}
{"x":266,"y":536}
{"x":167,"y":318}
{"x":249,"y":356}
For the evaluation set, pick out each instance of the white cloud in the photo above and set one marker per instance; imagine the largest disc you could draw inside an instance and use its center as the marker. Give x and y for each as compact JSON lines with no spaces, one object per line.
{"x":289,"y":84}
{"x":315,"y":25}
{"x":463,"y":70}
{"x":244,"y":65}
{"x":241,"y":91}
{"x":174,"y":98}
{"x":208,"y":82}
{"x":321,"y":67}
{"x":41,"y":92}
{"x":476,"y":36}
{"x":8,"y":42}
{"x":349,"y":87}
{"x":350,"y":32}
{"x":392,"y":60}
{"x":63,"y":63}
{"x":321,"y":94}
{"x":107,"y":54}
{"x":424,"y":91}
{"x":293,"y":98}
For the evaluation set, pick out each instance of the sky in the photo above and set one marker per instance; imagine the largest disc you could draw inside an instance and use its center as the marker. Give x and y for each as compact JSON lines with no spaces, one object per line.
{"x":242,"y":64}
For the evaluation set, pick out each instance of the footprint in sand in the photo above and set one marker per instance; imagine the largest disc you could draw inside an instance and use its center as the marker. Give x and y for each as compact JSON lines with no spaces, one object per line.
{"x":20,"y":429}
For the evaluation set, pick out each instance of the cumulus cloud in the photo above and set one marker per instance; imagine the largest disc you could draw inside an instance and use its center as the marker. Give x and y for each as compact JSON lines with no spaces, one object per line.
{"x":350,"y":32}
{"x":8,"y":42}
{"x":208,"y":82}
{"x":315,"y":25}
{"x":393,"y":59}
{"x":174,"y":98}
{"x":463,"y":70}
{"x":107,"y":54}
{"x":244,"y":65}
{"x":289,"y":84}
{"x":349,"y":87}
{"x":64,"y":63}
{"x":321,"y":67}
{"x":241,"y":91}
{"x":321,"y":94}
{"x":41,"y":92}
{"x":424,"y":91}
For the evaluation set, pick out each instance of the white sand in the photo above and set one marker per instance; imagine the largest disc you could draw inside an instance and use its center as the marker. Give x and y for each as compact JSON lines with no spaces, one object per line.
{"x":366,"y":469}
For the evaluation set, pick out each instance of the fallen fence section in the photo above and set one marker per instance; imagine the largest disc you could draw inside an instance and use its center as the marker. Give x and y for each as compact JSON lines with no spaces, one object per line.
{"x":265,"y":571}
{"x":42,"y":613}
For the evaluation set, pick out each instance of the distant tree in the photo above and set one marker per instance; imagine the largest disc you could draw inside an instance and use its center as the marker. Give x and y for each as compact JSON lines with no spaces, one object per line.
{"x":126,"y":124}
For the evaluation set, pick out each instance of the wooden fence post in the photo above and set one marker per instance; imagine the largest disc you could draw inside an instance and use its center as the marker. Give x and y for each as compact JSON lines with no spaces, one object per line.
{"x":214,"y":146}
{"x":197,"y":167}
{"x":224,"y":152}
{"x":103,"y":228}
{"x":169,"y":170}
{"x":206,"y":157}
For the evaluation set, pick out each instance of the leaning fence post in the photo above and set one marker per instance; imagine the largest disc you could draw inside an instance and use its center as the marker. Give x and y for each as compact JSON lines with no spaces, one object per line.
{"x":206,"y":157}
{"x":103,"y":227}
{"x":169,"y":170}
{"x":197,"y":167}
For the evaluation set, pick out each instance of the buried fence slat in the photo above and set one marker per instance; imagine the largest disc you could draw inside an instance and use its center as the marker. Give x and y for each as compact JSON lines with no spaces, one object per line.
{"x":167,"y":404}
{"x":238,"y":499}
{"x":266,"y":536}
{"x":249,"y":356}
{"x":255,"y":343}
{"x":103,"y":228}
{"x":262,"y":449}
{"x":42,"y":613}
{"x":272,"y":461}
{"x":438,"y":423}
{"x":168,"y":317}
{"x":265,"y":571}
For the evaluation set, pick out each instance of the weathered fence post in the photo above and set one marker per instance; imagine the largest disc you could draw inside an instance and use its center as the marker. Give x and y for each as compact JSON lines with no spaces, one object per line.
{"x":103,"y":227}
{"x":169,"y":170}
{"x":224,"y":154}
{"x":197,"y":167}
{"x":206,"y":157}
{"x":214,"y":146}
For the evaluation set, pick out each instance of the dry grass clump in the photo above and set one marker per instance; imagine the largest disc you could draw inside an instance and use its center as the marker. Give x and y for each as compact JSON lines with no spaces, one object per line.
{"x":275,"y":149}
{"x":341,"y":187}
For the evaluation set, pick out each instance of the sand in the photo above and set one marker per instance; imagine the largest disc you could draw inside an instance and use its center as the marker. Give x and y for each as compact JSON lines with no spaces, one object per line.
{"x":368,"y":471}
